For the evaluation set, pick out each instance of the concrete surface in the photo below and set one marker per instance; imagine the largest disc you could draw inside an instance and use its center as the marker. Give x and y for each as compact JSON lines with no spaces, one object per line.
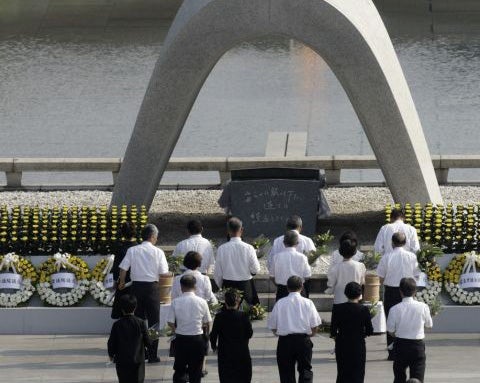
{"x":82,"y":359}
{"x":348,"y":34}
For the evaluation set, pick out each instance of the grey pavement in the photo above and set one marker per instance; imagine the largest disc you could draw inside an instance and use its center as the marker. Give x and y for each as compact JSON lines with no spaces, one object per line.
{"x":82,"y":358}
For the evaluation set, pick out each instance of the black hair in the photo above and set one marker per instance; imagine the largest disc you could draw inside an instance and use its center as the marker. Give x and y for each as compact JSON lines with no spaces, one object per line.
{"x":194,"y":226}
{"x":399,"y":239}
{"x":290,"y":238}
{"x":396,"y":214}
{"x":349,"y":234}
{"x":231,"y":298}
{"x":149,"y":231}
{"x":192,"y":260}
{"x":128,"y":230}
{"x":128,"y":303}
{"x":188,"y":281}
{"x":348,"y":248}
{"x":234,"y":225}
{"x":408,"y":287}
{"x":294,"y":283}
{"x":353,"y":290}
{"x":294,"y":223}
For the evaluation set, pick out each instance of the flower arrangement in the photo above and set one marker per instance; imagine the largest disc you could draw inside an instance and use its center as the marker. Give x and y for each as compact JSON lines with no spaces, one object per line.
{"x":101,"y":284}
{"x":321,"y":242}
{"x":65,"y":263}
{"x":452,"y":276}
{"x":84,"y":230}
{"x":371,"y":260}
{"x":254,"y":312}
{"x":12,"y":263}
{"x":174,"y":264}
{"x":262,"y":246}
{"x":427,"y":262}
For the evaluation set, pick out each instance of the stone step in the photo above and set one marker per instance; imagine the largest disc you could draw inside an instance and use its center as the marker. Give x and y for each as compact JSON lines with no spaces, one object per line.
{"x":323,"y":302}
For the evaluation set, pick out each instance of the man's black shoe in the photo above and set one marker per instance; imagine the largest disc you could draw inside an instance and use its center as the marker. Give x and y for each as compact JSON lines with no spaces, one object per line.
{"x":154,"y":360}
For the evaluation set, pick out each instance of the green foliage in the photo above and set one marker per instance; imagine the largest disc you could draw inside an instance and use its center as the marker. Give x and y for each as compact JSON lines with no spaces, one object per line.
{"x":371,"y":260}
{"x":174,"y":264}
{"x":427,"y":256}
{"x":322,"y":242}
{"x":262,"y":246}
{"x":435,"y":306}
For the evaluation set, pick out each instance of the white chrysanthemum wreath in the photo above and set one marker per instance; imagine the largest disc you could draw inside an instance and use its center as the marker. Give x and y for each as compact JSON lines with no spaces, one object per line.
{"x":63,"y":265}
{"x":17,"y":279}
{"x":101,"y":285}
{"x":460,"y":266}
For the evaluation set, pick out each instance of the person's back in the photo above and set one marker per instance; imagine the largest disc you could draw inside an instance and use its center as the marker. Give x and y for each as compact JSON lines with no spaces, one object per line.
{"x":352,"y":324}
{"x":383,"y":243}
{"x":295,"y":312}
{"x":397,"y":264}
{"x":343,"y":273}
{"x":288,"y":263}
{"x":146,"y":262}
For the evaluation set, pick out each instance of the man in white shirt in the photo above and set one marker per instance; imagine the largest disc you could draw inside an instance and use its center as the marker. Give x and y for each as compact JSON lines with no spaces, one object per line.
{"x":289,"y":262}
{"x":197,"y":243}
{"x":406,"y":323}
{"x":294,"y":319}
{"x":190,"y":318}
{"x":393,"y":266}
{"x":345,"y":272}
{"x":236,"y":263}
{"x":146,"y":263}
{"x":305,"y":245}
{"x":383,"y":243}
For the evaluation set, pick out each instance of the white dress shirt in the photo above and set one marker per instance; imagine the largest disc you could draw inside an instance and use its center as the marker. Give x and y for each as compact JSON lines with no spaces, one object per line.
{"x":203,"y":287}
{"x":408,"y":319}
{"x":343,"y":273}
{"x":294,"y":314}
{"x":290,"y":262}
{"x":200,"y":245}
{"x":236,"y":261}
{"x":305,"y":246}
{"x":145,"y":261}
{"x":190,"y":314}
{"x":337,"y":258}
{"x":383,"y":243}
{"x":397,"y":264}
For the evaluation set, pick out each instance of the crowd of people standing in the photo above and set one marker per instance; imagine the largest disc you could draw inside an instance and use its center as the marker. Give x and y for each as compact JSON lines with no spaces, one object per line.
{"x":294,"y":318}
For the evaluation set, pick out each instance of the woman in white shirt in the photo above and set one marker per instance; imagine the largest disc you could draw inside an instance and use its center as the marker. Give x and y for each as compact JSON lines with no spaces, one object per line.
{"x":337,"y":257}
{"x":345,"y":272}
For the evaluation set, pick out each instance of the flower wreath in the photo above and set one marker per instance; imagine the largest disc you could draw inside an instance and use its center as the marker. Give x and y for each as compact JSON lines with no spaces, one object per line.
{"x":457,"y":266}
{"x":11,"y":262}
{"x":68,"y":264}
{"x":434,"y":286}
{"x":100,"y":292}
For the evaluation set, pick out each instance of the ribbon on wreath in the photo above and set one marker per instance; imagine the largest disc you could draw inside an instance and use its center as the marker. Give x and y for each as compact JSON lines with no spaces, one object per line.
{"x":8,"y":262}
{"x":470,"y":263}
{"x":62,"y":260}
{"x":109,"y":266}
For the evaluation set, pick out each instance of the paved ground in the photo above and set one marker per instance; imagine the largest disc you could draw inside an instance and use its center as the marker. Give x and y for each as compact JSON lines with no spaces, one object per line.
{"x":75,"y":359}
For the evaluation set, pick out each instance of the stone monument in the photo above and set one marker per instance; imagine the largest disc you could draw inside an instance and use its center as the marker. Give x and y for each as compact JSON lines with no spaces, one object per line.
{"x":348,"y":34}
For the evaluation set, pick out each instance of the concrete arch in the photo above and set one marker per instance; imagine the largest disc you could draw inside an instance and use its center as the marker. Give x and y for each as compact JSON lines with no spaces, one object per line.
{"x":348,"y":34}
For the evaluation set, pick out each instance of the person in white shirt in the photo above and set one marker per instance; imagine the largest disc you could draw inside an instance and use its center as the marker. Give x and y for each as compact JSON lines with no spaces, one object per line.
{"x":203,"y":287}
{"x":146,"y":263}
{"x":190,"y":318}
{"x":337,"y":258}
{"x":383,"y":243}
{"x":289,"y":262}
{"x":393,"y":266}
{"x":294,"y":319}
{"x":406,"y":323}
{"x":236,"y":263}
{"x":345,"y":272}
{"x":199,"y":244}
{"x":305,"y":245}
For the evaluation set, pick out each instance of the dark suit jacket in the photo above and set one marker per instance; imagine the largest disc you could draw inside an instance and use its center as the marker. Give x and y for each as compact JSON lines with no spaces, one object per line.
{"x":351,"y":322}
{"x":127,"y":341}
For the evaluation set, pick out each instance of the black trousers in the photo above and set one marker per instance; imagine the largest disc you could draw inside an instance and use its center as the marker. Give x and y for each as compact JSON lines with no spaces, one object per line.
{"x":247,"y":287}
{"x":409,"y":353}
{"x":282,"y":292}
{"x":148,"y":308}
{"x":189,"y":355}
{"x":391,"y":297}
{"x":131,"y":373}
{"x":351,"y":356}
{"x":295,"y":349}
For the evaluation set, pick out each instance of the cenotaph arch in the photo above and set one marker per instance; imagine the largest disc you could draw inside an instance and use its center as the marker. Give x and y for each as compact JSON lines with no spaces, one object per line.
{"x":348,"y":34}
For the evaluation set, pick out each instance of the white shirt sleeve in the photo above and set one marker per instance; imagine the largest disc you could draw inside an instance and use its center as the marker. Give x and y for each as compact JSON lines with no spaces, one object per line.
{"x":364,"y":272}
{"x":218,"y":272}
{"x":379,"y":245}
{"x":207,"y":318}
{"x":307,"y":270}
{"x":381,"y":268}
{"x":171,"y":313}
{"x":126,"y":261}
{"x":162,"y":265}
{"x":416,"y":268}
{"x":272,"y":319}
{"x":254,"y":264}
{"x":332,"y":276}
{"x":176,"y":251}
{"x":210,"y":258}
{"x":208,"y":291}
{"x":427,"y":317}
{"x":176,"y":289}
{"x":314,"y":319}
{"x":392,"y":320}
{"x":414,"y":241}
{"x":271,"y":255}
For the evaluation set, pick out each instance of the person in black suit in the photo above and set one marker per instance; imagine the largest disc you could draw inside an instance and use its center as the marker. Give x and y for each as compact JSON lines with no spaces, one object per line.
{"x":127,"y":341}
{"x":232,"y":329}
{"x":351,"y":323}
{"x":128,"y":235}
